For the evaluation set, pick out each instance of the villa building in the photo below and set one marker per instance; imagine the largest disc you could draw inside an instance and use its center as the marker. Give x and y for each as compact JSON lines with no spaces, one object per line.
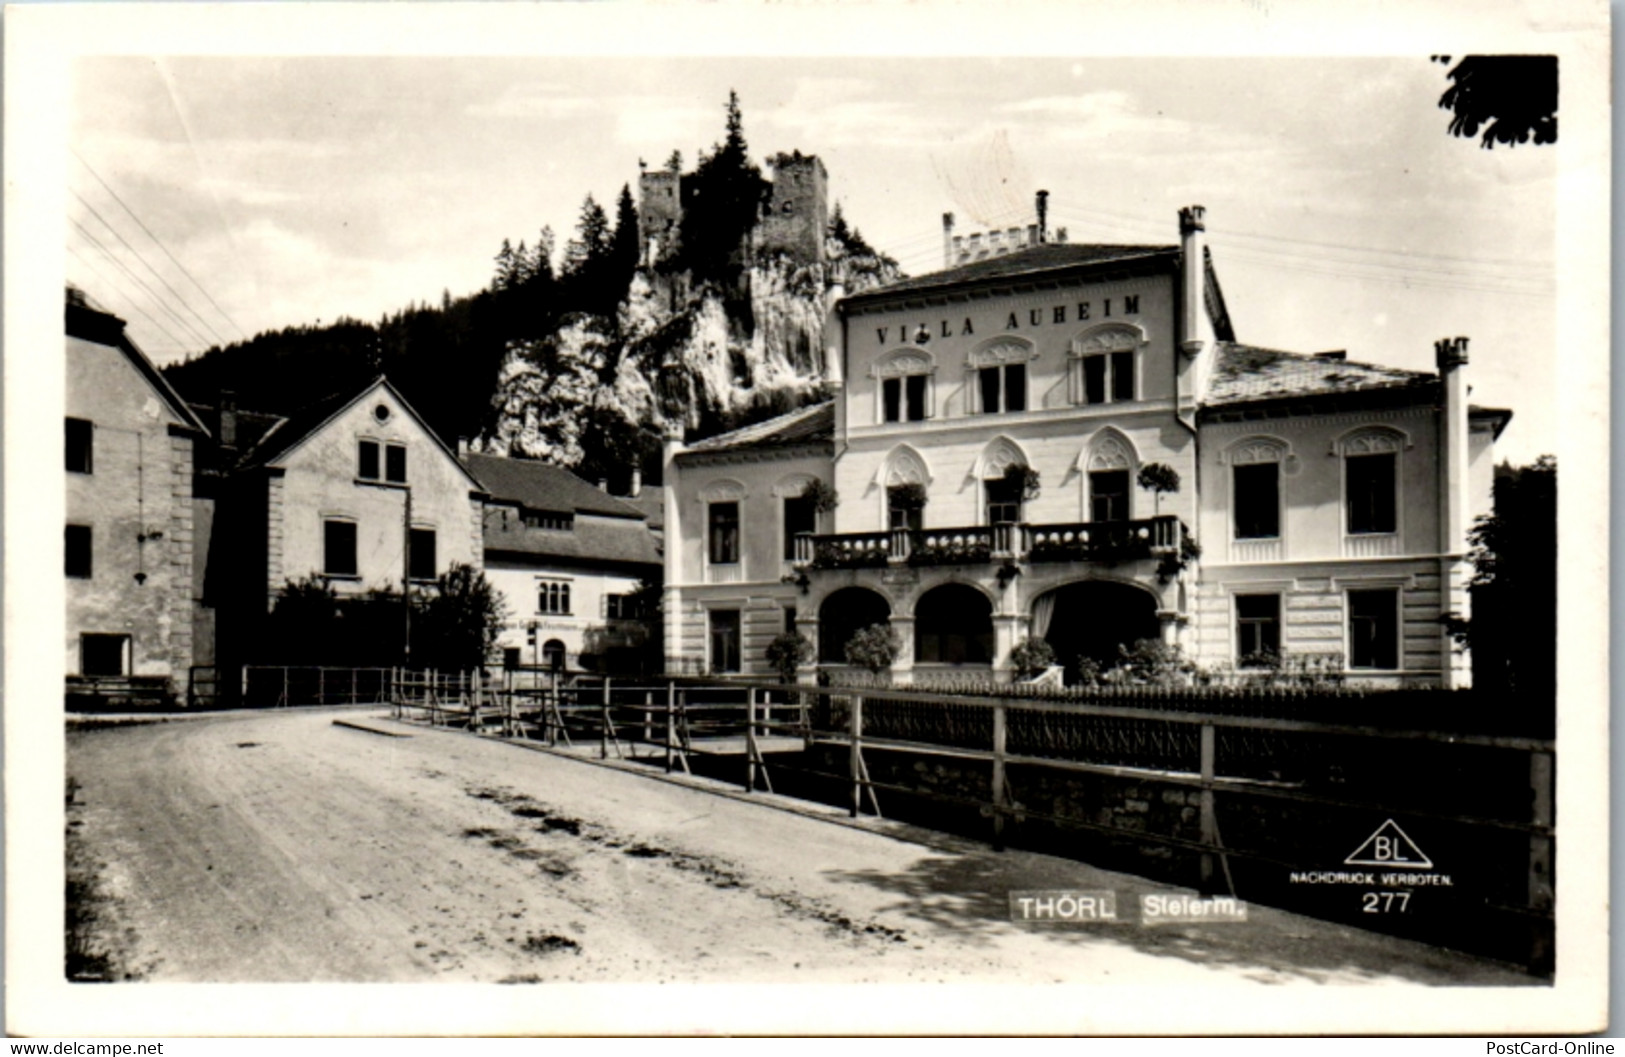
{"x":1067,"y":442}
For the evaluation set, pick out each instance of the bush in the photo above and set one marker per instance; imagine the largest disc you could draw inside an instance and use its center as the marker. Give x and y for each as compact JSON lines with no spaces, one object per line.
{"x":457,"y":624}
{"x":788,"y":652}
{"x":1032,"y":657}
{"x":874,"y":647}
{"x":1152,"y":662}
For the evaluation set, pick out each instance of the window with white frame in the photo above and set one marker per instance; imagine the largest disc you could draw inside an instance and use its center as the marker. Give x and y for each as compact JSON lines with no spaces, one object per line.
{"x":1255,"y":489}
{"x":998,"y":373}
{"x":1104,"y":366}
{"x":1373,"y":629}
{"x":1258,"y":630}
{"x":1371,"y":481}
{"x":725,"y":640}
{"x":553,"y":596}
{"x":339,"y":547}
{"x":722,"y":532}
{"x":904,"y":383}
{"x":1110,"y":465}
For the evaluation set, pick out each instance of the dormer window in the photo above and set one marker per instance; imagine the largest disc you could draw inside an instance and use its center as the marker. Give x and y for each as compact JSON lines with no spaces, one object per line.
{"x":548,"y":519}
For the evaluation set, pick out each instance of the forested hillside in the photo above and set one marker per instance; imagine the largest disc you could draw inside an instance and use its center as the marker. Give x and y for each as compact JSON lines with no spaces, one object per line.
{"x":584,"y":356}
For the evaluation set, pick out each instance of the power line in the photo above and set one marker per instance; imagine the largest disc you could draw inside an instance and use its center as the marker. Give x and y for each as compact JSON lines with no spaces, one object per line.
{"x":158,"y":301}
{"x":160,"y":245}
{"x":1135,"y":222}
{"x":1399,"y":279}
{"x":148,"y":266}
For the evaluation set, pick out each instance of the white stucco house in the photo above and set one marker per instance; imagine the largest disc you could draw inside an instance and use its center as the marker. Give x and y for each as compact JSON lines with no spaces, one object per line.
{"x":986,"y":448}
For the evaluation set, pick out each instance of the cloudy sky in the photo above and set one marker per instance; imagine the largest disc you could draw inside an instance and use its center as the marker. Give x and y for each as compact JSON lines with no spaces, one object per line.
{"x":1340,"y":212}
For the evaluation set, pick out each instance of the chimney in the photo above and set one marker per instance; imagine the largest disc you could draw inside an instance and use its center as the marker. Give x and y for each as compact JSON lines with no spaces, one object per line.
{"x":462,"y":446}
{"x":1451,"y":356}
{"x":637,"y":482}
{"x":603,"y":485}
{"x":1192,"y":232}
{"x":948,"y":240}
{"x":228,"y":419}
{"x":1043,"y":216}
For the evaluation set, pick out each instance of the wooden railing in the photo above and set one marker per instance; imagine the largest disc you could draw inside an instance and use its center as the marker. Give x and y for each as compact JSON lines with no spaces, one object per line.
{"x":976,"y":544}
{"x":1481,"y":802}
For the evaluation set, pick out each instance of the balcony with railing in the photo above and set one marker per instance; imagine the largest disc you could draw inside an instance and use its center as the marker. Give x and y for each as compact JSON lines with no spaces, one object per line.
{"x":1098,"y":541}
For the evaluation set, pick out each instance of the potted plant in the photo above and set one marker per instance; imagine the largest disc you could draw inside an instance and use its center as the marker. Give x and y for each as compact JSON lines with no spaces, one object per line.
{"x":874,"y":648}
{"x":788,"y":652}
{"x":821,"y":495}
{"x":1021,"y":480}
{"x":1158,"y":478}
{"x":1032,"y":657}
{"x":909,"y":497}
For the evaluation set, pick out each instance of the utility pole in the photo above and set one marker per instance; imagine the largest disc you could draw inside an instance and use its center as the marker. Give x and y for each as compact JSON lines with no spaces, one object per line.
{"x":406,"y":579}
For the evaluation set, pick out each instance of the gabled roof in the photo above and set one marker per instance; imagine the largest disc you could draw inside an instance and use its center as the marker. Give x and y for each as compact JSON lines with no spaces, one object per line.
{"x":814,"y":424}
{"x":1047,"y":257}
{"x":281,"y":439}
{"x":541,"y":486}
{"x":92,"y":324}
{"x":1245,"y":373}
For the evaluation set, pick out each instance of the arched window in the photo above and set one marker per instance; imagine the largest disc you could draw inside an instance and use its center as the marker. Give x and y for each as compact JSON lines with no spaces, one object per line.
{"x":553,"y":654}
{"x":953,"y":624}
{"x":904,"y":389}
{"x":904,"y":479}
{"x":1002,"y":493}
{"x":843,"y":614}
{"x":1371,"y":475}
{"x":1109,"y":471}
{"x":1255,"y":487}
{"x":1105,"y":364}
{"x":798,"y":513}
{"x":998,"y":376}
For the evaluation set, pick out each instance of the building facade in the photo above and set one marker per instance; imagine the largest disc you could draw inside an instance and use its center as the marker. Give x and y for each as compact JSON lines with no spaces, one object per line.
{"x":1066,"y":442}
{"x":355,"y":492}
{"x":573,"y":563}
{"x":129,"y":537}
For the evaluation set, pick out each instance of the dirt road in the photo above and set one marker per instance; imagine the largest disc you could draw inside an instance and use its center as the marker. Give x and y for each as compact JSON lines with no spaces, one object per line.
{"x":281,"y":847}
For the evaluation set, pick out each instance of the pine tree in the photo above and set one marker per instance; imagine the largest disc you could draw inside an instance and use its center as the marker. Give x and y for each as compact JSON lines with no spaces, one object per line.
{"x":625,"y":250}
{"x":674,"y":163}
{"x":725,"y":205}
{"x":505,"y":267}
{"x":592,"y":241}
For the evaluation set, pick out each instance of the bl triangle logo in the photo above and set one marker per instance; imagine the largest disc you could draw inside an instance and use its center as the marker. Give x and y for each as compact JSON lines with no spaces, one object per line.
{"x":1389,"y":846}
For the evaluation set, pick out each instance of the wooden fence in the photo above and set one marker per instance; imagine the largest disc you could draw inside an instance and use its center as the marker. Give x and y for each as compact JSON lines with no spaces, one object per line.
{"x":1290,"y":791}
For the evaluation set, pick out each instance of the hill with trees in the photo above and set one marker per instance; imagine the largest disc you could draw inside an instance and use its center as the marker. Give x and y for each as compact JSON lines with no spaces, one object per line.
{"x":585,"y":356}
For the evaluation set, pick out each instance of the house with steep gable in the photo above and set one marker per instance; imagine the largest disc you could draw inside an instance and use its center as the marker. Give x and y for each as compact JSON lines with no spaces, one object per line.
{"x":129,"y":542}
{"x":355,"y":491}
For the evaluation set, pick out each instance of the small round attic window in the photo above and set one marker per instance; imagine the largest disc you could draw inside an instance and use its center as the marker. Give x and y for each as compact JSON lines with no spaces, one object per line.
{"x":381,"y":413}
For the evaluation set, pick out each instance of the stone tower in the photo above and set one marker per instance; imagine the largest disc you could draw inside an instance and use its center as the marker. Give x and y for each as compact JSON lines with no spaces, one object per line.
{"x":660,"y":212}
{"x":797,"y":212}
